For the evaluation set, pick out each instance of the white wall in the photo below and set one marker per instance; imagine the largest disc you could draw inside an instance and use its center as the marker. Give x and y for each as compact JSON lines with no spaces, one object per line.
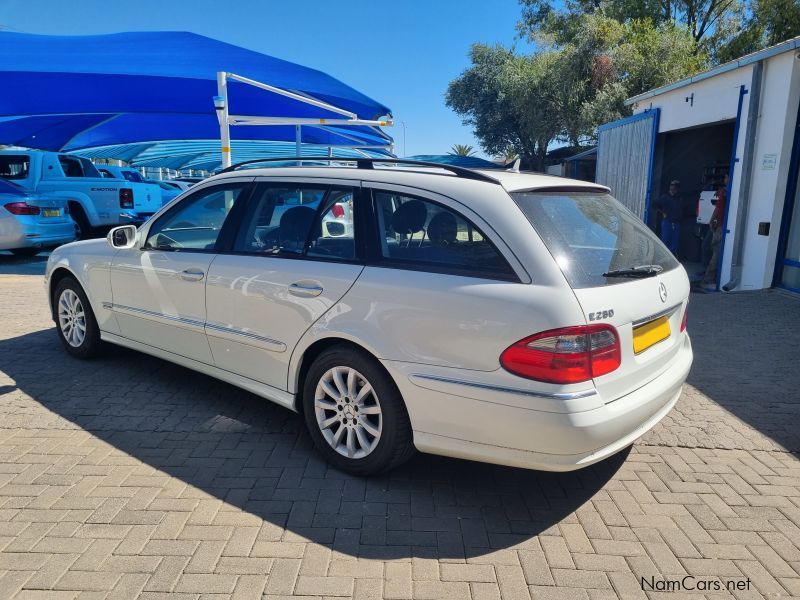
{"x":716,"y":99}
{"x":775,"y":135}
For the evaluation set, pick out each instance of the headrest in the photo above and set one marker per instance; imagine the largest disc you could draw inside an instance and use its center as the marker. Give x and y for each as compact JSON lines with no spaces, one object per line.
{"x":410,"y":217}
{"x":443,"y":228}
{"x":296,"y":223}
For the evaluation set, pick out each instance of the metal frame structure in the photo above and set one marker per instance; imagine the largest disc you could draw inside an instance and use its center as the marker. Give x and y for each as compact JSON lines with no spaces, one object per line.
{"x":226,"y":120}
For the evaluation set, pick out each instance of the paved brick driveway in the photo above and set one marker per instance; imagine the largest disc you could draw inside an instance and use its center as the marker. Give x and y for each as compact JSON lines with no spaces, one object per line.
{"x":128,"y":477}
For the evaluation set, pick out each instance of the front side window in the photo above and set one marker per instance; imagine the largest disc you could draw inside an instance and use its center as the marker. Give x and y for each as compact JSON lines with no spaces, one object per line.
{"x":429,"y":236}
{"x":14,"y":166}
{"x":590,"y":233}
{"x":292,"y":220}
{"x":195,"y":223}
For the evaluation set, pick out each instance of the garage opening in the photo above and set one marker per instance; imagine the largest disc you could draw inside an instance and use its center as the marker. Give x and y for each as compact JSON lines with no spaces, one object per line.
{"x":699,"y":158}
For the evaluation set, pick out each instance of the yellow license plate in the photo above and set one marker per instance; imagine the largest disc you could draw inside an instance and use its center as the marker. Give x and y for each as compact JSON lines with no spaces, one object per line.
{"x":649,"y":334}
{"x":51,"y":212}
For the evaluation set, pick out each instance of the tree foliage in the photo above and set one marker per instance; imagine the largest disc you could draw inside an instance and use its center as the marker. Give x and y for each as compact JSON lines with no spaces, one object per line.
{"x":526,"y":102}
{"x":462,"y":150}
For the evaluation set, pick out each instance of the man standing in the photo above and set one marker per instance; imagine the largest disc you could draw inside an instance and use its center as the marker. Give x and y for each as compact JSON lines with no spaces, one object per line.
{"x":709,"y":282}
{"x":670,"y":206}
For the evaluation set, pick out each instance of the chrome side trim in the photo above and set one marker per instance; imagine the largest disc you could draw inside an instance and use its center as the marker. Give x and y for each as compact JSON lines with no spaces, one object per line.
{"x":157,"y":315}
{"x":507,"y":390}
{"x":666,"y":311}
{"x":279,"y":346}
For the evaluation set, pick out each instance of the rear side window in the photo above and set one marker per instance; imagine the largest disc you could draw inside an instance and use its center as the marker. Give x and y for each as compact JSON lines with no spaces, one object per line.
{"x":14,"y":166}
{"x":590,"y":233}
{"x":428,"y":236}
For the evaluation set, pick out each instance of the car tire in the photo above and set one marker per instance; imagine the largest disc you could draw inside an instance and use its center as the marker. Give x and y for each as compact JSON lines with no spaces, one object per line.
{"x":26,"y":251}
{"x":357,"y":431}
{"x":75,"y":322}
{"x":84,"y":228}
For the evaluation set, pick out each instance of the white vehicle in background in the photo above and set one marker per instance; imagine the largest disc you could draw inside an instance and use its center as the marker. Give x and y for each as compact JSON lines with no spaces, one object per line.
{"x":30,"y":223}
{"x":94,"y":202}
{"x":132,"y":175}
{"x":179,"y":185}
{"x":504,"y":317}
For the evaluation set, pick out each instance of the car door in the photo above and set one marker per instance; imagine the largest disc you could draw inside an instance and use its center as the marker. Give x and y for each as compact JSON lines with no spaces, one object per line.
{"x":159,"y":288}
{"x":284,"y":271}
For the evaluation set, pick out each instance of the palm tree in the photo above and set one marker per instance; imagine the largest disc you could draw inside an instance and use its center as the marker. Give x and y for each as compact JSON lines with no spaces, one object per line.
{"x":462,"y":150}
{"x":508,"y":155}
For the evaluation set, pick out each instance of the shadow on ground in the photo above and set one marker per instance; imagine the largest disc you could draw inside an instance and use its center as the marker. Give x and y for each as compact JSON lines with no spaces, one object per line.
{"x":746,"y":359}
{"x":23,"y":265}
{"x":257,"y":456}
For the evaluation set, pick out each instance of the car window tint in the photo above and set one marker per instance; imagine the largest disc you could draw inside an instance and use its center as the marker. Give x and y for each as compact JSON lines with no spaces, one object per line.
{"x":279,"y":219}
{"x":14,"y":166}
{"x":336,"y":236}
{"x":195,"y":223}
{"x":424,"y":234}
{"x":71,"y":166}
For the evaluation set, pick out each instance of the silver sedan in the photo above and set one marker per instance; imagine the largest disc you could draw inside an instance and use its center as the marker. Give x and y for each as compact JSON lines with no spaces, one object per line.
{"x":30,"y":223}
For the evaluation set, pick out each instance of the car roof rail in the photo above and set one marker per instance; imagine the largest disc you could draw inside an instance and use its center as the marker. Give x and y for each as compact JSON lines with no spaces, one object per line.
{"x":368,"y":163}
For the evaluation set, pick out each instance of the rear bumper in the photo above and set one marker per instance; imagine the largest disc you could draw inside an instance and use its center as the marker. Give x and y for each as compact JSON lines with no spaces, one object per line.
{"x":37,"y":235}
{"x":496,"y":427}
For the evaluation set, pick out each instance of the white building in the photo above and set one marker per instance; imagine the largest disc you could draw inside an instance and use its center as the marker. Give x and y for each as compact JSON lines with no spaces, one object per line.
{"x":739,"y":118}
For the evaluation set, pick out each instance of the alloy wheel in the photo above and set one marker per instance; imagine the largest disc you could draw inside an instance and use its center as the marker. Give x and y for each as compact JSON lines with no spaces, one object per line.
{"x":348,"y":412}
{"x":72,"y":318}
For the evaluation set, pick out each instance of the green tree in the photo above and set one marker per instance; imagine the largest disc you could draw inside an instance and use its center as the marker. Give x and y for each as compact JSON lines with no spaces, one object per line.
{"x":560,"y":21}
{"x":510,"y":101}
{"x":768,"y":22}
{"x":563,"y":92}
{"x":462,"y":150}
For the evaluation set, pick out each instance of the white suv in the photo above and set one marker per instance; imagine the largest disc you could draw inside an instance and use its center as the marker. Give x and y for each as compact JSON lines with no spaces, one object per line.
{"x":504,"y":317}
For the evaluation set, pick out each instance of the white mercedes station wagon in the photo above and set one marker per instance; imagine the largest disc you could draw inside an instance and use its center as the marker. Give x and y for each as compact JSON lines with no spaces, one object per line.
{"x":504,"y":317}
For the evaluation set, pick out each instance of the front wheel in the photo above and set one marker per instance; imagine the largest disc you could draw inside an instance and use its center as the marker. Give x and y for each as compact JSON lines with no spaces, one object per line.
{"x":75,"y":322}
{"x":355,"y":414}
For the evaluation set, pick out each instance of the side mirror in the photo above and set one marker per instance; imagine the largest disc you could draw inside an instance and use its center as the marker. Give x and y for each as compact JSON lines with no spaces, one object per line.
{"x":122,"y":237}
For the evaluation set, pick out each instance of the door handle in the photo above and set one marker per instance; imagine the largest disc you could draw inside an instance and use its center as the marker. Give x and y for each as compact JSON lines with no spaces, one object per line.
{"x":192,"y":275}
{"x":305,"y":290}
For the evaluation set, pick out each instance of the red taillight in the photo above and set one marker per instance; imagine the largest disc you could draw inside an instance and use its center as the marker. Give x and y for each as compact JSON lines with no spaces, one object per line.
{"x":568,"y":355}
{"x":21,"y":208}
{"x":338,"y":211}
{"x":683,"y":321}
{"x":125,"y":198}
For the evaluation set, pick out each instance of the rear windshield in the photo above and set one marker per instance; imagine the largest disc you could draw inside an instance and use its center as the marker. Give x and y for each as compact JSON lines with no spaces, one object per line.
{"x":14,"y":166}
{"x":590,"y":233}
{"x":132,"y":176}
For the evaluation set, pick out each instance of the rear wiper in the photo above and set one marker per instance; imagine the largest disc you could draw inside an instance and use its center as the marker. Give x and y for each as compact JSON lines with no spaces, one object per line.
{"x":641,"y":271}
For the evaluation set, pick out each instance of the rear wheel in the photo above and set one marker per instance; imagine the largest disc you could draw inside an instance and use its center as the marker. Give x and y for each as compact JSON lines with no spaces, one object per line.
{"x":84,"y":228}
{"x":75,"y":322}
{"x":25,"y":251}
{"x":355,"y":414}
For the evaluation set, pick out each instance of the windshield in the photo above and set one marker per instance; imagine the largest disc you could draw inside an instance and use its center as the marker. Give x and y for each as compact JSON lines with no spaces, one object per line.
{"x":590,"y":233}
{"x":14,"y":166}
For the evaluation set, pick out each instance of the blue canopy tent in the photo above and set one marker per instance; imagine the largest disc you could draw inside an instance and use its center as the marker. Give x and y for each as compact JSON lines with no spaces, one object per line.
{"x":149,"y":89}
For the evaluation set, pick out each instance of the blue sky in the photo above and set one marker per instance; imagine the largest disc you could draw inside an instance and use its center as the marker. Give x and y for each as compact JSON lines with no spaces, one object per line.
{"x":402,"y":53}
